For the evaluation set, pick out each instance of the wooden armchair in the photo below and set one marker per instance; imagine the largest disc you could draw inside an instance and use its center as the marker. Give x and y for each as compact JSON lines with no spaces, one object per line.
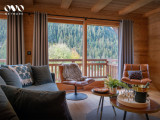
{"x":136,"y":67}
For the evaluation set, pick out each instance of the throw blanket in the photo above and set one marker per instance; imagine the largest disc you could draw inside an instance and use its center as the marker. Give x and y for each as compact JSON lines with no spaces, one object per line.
{"x":72,"y":72}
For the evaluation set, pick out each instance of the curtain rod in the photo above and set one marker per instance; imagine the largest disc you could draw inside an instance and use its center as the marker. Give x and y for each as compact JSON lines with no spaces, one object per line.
{"x":74,"y":16}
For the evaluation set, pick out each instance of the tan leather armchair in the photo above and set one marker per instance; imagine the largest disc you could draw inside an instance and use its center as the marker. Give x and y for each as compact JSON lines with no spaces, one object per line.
{"x":136,"y":67}
{"x":75,"y":95}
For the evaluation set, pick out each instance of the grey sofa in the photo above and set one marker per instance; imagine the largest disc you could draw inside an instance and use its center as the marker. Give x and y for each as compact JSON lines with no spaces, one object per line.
{"x":34,"y":102}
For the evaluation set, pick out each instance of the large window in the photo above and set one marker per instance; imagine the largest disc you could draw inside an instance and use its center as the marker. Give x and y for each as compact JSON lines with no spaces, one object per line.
{"x":3,"y":40}
{"x":66,"y":46}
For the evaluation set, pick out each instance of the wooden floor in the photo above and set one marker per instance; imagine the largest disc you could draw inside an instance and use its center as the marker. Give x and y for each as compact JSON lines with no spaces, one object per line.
{"x":79,"y":109}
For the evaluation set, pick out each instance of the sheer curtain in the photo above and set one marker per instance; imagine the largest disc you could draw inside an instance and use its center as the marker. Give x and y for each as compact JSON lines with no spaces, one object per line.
{"x":40,"y":39}
{"x":126,"y":45}
{"x":15,"y":39}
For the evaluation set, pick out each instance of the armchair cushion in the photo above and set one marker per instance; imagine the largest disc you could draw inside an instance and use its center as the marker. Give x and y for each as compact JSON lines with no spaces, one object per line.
{"x":38,"y":105}
{"x":79,"y":83}
{"x":136,"y":81}
{"x":135,"y":75}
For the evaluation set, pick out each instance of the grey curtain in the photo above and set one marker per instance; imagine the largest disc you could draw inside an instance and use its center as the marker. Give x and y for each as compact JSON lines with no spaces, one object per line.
{"x":15,"y":39}
{"x":126,"y":45}
{"x":40,"y":39}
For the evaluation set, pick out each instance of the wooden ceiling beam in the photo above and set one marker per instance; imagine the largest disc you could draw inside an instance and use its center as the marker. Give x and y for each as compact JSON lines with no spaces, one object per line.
{"x":66,"y":4}
{"x":157,"y":10}
{"x":28,"y":2}
{"x":134,"y":6}
{"x":100,"y":5}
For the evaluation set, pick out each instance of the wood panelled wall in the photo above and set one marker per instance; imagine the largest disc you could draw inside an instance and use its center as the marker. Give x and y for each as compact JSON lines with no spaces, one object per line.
{"x":28,"y":35}
{"x":154,"y":48}
{"x":140,"y":41}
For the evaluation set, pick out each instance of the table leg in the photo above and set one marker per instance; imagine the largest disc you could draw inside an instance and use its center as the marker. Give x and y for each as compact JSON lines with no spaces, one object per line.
{"x":147,"y":116}
{"x":99,"y":104}
{"x":101,"y":108}
{"x":124,"y":117}
{"x":114,"y":110}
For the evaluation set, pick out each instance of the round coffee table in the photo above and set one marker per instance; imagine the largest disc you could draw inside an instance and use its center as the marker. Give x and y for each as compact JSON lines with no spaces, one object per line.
{"x":102,"y":100}
{"x":152,"y":108}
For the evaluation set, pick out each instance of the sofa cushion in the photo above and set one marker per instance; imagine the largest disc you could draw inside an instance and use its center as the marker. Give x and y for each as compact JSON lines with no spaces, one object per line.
{"x":2,"y":81}
{"x":41,"y":74}
{"x":23,"y":71}
{"x":6,"y":110}
{"x":38,"y":105}
{"x":135,"y":75}
{"x":10,"y":77}
{"x":44,"y":87}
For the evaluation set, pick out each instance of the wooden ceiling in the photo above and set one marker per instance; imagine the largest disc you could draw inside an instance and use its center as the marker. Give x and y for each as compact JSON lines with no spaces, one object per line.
{"x":119,"y":7}
{"x":122,"y":7}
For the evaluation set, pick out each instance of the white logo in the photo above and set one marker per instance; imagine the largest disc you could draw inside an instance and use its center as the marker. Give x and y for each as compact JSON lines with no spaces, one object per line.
{"x":14,"y":8}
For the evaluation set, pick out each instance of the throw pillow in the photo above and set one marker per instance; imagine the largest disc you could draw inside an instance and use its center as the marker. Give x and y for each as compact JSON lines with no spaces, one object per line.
{"x":10,"y":77}
{"x":2,"y":81}
{"x":6,"y":110}
{"x":41,"y":74}
{"x":24,"y":73}
{"x":38,"y":105}
{"x":135,"y":75}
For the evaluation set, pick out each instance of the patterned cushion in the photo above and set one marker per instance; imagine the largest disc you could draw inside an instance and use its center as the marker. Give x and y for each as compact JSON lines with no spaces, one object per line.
{"x":24,"y":73}
{"x":135,"y":75}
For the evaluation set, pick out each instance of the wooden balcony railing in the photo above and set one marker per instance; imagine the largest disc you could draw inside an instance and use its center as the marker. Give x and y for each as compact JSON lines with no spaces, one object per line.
{"x":96,"y":68}
{"x":2,"y":61}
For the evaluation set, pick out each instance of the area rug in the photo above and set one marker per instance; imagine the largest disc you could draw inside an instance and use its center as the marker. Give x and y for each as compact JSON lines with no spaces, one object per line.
{"x":108,"y":114}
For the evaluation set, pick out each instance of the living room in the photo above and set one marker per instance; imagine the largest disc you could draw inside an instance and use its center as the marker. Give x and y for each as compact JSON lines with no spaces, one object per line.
{"x":75,"y":59}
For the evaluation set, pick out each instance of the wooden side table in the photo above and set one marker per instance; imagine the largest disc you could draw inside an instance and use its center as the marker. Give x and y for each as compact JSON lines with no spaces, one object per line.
{"x":102,"y":100}
{"x":152,"y":108}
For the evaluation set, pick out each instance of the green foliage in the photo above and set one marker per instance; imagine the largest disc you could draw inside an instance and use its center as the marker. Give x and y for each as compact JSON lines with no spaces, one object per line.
{"x":3,"y":50}
{"x":75,"y":54}
{"x":113,"y":83}
{"x":59,"y":51}
{"x":102,"y":42}
{"x":3,"y":38}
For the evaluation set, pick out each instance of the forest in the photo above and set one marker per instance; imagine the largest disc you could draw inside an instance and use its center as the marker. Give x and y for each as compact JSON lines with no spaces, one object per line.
{"x":3,"y":38}
{"x":65,"y":41}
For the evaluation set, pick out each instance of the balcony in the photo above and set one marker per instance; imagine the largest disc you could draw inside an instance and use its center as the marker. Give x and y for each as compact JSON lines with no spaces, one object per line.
{"x":96,"y":68}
